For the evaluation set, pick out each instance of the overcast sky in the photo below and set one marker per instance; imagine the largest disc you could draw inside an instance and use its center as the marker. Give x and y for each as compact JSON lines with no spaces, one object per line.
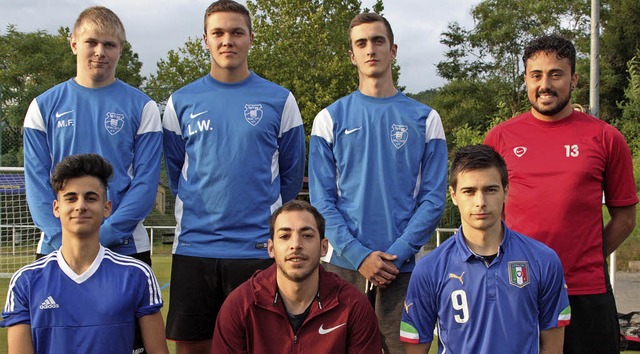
{"x":156,"y":26}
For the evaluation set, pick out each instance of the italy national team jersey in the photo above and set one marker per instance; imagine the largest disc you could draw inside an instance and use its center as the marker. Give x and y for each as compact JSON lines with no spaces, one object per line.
{"x":378,"y":174}
{"x":119,"y":123}
{"x":235,"y":152}
{"x":500,"y":308}
{"x":94,"y":312}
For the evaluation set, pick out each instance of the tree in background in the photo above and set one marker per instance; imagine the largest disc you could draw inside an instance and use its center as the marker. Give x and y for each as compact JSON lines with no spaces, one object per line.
{"x":483,"y":65}
{"x":303,"y":46}
{"x":188,"y":63}
{"x":299,"y":44}
{"x":631,"y":107}
{"x":471,"y":104}
{"x":620,"y":40}
{"x":31,"y":63}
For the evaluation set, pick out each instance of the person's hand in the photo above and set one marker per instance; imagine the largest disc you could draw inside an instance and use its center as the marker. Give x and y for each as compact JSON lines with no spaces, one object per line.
{"x":379,"y":269}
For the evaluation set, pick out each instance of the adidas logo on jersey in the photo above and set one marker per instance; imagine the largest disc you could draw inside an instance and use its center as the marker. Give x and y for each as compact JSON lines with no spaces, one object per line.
{"x":49,"y":303}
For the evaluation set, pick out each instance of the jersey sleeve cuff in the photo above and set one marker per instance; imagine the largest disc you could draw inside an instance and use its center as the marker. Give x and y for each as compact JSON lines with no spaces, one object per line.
{"x":356,"y":253}
{"x":403,"y":250}
{"x":55,"y":243}
{"x":108,"y":235}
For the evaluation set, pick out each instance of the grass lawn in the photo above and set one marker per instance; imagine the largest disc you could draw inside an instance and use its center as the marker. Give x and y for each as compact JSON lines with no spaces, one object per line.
{"x":630,"y":249}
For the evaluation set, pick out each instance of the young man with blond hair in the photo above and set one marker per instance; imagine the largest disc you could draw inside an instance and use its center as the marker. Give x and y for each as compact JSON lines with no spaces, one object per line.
{"x":235,"y":151}
{"x":96,"y":113}
{"x":377,"y":173}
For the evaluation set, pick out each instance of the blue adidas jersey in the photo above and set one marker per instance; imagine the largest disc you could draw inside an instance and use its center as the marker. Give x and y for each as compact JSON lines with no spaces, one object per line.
{"x":234,"y":153}
{"x":378,"y":174}
{"x":119,"y":123}
{"x":496,"y":309}
{"x":94,"y":312}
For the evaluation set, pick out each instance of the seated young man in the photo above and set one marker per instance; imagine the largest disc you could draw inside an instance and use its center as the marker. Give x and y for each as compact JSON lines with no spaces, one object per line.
{"x":491,"y":289}
{"x":83,"y":298}
{"x":295,"y":305}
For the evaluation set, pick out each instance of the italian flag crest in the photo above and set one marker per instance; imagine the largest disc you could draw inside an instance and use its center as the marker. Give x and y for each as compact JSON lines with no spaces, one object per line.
{"x":519,"y":273}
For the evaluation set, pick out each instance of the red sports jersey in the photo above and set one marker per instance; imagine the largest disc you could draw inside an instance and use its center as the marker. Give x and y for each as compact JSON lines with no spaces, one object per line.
{"x":557,"y":174}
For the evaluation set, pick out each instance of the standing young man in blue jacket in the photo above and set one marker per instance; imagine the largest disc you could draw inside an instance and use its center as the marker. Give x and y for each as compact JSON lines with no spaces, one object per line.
{"x":378,"y":174}
{"x":96,"y":113}
{"x":235,"y":151}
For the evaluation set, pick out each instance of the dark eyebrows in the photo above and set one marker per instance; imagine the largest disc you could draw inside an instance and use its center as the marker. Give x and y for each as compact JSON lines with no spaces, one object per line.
{"x":539,"y":71}
{"x":373,"y":39}
{"x":302,"y":229}
{"x":75,"y":194}
{"x":489,"y":186}
{"x":70,"y":194}
{"x":307,"y":228}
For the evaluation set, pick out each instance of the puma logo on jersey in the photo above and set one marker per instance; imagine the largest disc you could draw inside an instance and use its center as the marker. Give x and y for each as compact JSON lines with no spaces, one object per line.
{"x":459,"y":277}
{"x":519,"y":150}
{"x":58,"y":114}
{"x":351,"y":131}
{"x":406,"y":307}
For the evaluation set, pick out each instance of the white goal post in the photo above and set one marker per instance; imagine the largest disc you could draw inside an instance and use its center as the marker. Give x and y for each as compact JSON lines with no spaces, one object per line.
{"x":18,"y":235}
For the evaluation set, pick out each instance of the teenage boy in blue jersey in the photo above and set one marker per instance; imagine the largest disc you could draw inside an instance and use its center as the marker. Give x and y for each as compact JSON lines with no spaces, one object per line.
{"x":378,"y":174}
{"x":490,"y":289}
{"x":235,"y":151}
{"x":96,"y":113}
{"x":83,"y":298}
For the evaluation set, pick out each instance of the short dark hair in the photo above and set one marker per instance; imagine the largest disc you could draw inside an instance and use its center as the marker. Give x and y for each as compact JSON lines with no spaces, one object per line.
{"x":298,"y":205}
{"x":370,"y":17}
{"x":227,"y":6}
{"x":562,"y":47}
{"x":477,"y":157}
{"x":76,"y":166}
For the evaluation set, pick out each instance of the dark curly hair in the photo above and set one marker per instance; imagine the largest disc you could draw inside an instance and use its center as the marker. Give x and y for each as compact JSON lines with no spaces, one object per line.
{"x":76,"y":166}
{"x":551,"y":44}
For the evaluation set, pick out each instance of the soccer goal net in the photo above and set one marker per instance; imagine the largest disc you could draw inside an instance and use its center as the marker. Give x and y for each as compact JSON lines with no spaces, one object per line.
{"x":18,"y":235}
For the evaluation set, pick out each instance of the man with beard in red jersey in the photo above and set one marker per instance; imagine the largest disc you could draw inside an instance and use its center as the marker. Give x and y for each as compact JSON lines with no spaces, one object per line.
{"x":560,"y":162}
